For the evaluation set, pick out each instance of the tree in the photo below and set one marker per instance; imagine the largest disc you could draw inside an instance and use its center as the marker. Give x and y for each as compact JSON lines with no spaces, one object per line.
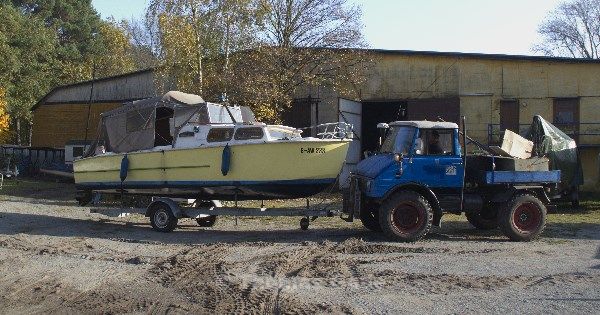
{"x":573,"y":30}
{"x":76,"y":25}
{"x":114,"y":54}
{"x":304,"y":43}
{"x":195,"y":39}
{"x":4,"y":118}
{"x":28,"y":65}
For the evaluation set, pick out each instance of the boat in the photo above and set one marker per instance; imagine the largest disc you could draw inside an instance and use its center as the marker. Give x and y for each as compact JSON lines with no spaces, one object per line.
{"x":178,"y":145}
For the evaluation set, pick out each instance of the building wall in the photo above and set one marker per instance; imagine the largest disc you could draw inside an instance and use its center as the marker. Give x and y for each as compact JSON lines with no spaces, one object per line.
{"x":481,"y":84}
{"x":56,"y":124}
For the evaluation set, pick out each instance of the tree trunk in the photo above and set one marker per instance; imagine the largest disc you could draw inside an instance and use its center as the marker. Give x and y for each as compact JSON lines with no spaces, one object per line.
{"x":18,"y":131}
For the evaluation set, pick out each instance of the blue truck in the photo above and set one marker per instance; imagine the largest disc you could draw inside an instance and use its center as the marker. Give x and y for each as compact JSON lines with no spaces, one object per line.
{"x":423,"y":171}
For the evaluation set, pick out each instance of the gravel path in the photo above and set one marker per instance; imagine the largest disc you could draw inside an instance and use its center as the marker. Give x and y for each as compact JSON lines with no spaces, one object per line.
{"x":56,"y":258}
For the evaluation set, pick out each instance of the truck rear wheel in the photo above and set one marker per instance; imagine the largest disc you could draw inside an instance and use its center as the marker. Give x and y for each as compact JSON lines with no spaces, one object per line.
{"x":485,"y":219}
{"x":406,"y":216}
{"x":523,"y":218}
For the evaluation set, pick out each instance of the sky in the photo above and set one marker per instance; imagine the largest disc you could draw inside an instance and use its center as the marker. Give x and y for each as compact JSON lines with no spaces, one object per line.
{"x":480,"y":26}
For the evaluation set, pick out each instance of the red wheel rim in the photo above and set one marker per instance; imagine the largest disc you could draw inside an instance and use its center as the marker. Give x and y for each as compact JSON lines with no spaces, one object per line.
{"x":407,"y":218}
{"x":527,"y":217}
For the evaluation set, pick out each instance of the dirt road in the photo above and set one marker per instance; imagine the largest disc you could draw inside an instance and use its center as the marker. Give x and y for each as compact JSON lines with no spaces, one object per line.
{"x":56,"y":258}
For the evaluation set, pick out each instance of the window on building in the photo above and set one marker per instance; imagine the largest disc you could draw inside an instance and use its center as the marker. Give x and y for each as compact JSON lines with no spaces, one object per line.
{"x":219,"y":134}
{"x":252,"y":133}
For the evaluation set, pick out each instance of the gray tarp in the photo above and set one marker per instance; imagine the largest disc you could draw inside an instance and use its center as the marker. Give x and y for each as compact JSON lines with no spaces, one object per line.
{"x":551,"y":142}
{"x":144,"y":124}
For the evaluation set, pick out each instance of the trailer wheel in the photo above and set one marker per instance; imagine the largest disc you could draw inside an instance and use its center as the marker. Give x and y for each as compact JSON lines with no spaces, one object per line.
{"x":406,"y":216}
{"x":207,"y":221}
{"x":369,"y":216}
{"x":162,"y":218}
{"x":84,"y":197}
{"x":485,"y":219}
{"x":523,"y":218}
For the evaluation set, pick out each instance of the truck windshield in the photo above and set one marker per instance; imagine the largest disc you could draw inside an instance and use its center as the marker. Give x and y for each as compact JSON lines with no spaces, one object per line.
{"x":398,"y":140}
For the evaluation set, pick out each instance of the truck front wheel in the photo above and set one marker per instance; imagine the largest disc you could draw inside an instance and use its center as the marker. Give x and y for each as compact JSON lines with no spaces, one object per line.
{"x":523,"y":218}
{"x":406,"y":216}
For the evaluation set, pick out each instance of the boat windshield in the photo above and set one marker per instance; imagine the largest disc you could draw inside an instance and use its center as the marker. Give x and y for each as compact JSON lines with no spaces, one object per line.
{"x":399,"y":140}
{"x":282,"y":133}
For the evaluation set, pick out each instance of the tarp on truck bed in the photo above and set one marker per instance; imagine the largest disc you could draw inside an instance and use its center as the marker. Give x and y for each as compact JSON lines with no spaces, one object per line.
{"x":560,"y":149}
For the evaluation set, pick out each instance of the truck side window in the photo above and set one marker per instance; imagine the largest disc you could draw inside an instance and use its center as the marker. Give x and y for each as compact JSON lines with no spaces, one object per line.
{"x":437,"y":141}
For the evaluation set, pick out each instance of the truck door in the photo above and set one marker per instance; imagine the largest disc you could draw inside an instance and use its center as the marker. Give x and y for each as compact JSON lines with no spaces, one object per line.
{"x":351,"y":112}
{"x":435,"y":161}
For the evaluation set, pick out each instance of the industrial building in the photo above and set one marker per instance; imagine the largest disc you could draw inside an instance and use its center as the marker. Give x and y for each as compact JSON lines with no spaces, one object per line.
{"x":494,"y":92}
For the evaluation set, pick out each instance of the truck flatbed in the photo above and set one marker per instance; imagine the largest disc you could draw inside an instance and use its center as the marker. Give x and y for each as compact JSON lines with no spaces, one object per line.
{"x":522,"y":177}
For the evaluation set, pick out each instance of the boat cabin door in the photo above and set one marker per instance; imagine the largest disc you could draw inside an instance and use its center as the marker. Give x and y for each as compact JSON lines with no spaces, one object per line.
{"x":162,"y":126}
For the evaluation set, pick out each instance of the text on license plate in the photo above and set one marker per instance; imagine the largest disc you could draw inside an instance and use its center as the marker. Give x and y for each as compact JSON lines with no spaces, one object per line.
{"x":312,"y":150}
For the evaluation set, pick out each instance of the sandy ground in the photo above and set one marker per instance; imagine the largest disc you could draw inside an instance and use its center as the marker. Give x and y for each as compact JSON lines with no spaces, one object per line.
{"x":56,"y":257}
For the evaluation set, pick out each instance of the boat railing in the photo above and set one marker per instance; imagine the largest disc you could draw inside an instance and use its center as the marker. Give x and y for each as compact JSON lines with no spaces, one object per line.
{"x":336,"y":130}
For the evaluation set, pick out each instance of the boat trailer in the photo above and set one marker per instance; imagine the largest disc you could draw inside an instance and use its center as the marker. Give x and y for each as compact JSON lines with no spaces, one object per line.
{"x":164,"y":212}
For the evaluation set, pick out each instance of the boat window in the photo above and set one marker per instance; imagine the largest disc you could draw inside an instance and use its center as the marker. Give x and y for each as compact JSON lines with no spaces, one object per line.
{"x":139,"y":120}
{"x":219,"y":134}
{"x":249,"y":133}
{"x":186,"y":134}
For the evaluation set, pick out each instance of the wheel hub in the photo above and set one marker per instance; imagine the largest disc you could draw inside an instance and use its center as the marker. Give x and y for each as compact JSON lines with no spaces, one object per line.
{"x":161,"y":218}
{"x":407,"y":218}
{"x":527,"y":217}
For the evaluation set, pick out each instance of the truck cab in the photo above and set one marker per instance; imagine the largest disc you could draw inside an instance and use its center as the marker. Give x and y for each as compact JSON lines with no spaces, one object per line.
{"x":415,"y":153}
{"x":421,"y":171}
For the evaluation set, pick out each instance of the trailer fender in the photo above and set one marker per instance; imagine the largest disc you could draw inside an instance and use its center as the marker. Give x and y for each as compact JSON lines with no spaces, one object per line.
{"x":425,"y":192}
{"x":173,"y":206}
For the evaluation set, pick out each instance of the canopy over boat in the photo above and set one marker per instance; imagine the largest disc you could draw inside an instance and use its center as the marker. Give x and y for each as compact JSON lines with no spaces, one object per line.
{"x":147,"y":123}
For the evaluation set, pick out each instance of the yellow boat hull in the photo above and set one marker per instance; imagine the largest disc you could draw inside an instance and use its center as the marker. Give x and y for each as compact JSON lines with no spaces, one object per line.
{"x":255,"y":171}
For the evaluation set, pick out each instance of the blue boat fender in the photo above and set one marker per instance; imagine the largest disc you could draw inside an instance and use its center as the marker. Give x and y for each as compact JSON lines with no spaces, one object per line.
{"x":226,"y":160}
{"x":124,"y":168}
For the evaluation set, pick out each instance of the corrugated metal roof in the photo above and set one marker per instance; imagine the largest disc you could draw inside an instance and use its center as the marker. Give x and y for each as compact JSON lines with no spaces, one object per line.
{"x":104,"y":92}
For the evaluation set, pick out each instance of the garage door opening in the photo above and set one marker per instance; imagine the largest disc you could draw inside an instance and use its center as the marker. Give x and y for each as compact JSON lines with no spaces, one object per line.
{"x":378,"y":112}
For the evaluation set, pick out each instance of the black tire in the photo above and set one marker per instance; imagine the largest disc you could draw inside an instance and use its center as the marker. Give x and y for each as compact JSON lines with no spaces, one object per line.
{"x":207,"y":221}
{"x":406,"y":216}
{"x":162,"y":218}
{"x":304,"y":223}
{"x":369,"y":216}
{"x":575,"y":198}
{"x":486,"y":219}
{"x":84,"y":197}
{"x":523,"y":218}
